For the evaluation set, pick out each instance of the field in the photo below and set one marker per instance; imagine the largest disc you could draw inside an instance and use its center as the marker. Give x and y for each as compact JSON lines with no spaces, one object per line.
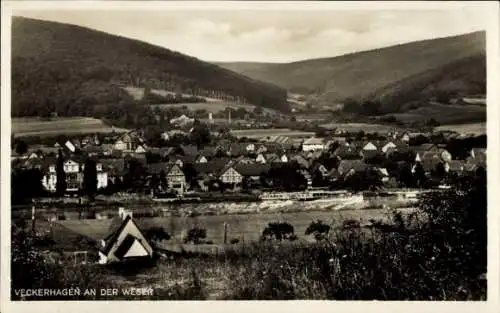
{"x":367,"y":128}
{"x":245,"y":220}
{"x":266,"y":132}
{"x":443,"y":113}
{"x":23,"y":127}
{"x":472,"y":128}
{"x":211,"y":107}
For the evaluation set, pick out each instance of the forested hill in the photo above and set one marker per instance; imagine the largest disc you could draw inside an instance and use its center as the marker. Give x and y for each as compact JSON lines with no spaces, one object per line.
{"x":393,"y":75}
{"x":74,"y":70}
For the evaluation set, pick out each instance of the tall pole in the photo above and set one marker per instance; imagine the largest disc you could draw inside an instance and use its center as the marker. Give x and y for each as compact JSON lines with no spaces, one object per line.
{"x":33,"y":220}
{"x":225,"y":232}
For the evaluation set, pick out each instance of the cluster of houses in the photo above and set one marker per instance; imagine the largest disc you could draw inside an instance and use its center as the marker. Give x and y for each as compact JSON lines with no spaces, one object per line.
{"x":230,"y":162}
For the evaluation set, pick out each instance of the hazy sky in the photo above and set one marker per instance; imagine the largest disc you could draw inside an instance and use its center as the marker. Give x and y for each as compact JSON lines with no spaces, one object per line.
{"x":272,"y":36}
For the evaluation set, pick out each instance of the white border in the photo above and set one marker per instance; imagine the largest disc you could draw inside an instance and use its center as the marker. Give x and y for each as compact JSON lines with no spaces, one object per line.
{"x":493,"y":82}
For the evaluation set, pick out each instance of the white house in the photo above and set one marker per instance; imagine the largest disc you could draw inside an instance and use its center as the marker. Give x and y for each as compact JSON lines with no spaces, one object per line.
{"x":125,"y":242}
{"x":71,"y":147}
{"x":369,"y":147}
{"x":387,"y":146}
{"x":260,"y":159}
{"x":250,"y":147}
{"x":313,"y":144}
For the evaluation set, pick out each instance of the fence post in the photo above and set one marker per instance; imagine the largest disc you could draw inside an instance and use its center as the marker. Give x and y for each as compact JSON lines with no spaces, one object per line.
{"x":225,"y":233}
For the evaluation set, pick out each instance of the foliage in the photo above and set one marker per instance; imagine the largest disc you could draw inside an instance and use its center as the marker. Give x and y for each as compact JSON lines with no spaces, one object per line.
{"x":23,"y":178}
{"x":90,"y":178}
{"x":196,"y":235}
{"x":157,"y":234}
{"x":60,"y":175}
{"x":81,"y":72}
{"x":278,"y":231}
{"x":318,"y":229}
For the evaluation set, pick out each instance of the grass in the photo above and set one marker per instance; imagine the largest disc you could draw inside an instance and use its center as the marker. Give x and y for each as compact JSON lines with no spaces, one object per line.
{"x":367,"y":128}
{"x":244,"y":227}
{"x":266,"y":132}
{"x":23,"y":127}
{"x":444,"y":114}
{"x":470,"y":128}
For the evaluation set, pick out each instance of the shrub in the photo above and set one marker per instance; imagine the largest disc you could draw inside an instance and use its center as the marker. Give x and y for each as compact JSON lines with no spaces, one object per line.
{"x":196,"y":235}
{"x":278,"y":231}
{"x":318,"y":229}
{"x":157,"y":233}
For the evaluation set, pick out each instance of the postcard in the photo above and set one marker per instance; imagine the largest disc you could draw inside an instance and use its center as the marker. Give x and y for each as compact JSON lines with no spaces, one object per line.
{"x":180,"y":156}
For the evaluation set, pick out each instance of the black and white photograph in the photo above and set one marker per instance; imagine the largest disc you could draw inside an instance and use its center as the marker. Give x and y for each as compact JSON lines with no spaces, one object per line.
{"x":235,"y":152}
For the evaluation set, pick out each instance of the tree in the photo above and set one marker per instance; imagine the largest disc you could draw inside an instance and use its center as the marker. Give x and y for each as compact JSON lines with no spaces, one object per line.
{"x":200,"y":134}
{"x":157,"y":233}
{"x":420,"y":177}
{"x":196,"y":235}
{"x":154,"y":182}
{"x":278,"y":231}
{"x":90,"y":178}
{"x":456,"y":229}
{"x":21,"y":147}
{"x":318,"y":229}
{"x":60,"y":175}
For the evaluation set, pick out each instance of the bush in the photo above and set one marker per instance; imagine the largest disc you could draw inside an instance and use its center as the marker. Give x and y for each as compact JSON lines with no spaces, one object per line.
{"x":157,"y":233}
{"x":318,"y":229}
{"x":278,"y":231}
{"x":195,"y":235}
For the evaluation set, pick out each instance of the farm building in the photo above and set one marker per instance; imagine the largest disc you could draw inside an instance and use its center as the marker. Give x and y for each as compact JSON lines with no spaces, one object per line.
{"x":313,"y":144}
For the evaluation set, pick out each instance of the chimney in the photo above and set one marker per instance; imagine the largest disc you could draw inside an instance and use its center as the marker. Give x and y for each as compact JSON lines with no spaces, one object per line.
{"x":122,"y":213}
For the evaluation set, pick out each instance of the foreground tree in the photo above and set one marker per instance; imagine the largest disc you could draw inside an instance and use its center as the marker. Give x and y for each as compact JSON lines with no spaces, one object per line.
{"x":90,"y":179}
{"x":60,"y":175}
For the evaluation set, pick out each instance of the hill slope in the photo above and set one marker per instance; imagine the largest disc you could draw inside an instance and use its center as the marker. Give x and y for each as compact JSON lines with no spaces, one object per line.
{"x":72,"y":70}
{"x":417,"y":69}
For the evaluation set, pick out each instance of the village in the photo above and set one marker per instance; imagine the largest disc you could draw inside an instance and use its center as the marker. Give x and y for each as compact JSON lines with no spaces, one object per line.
{"x":127,"y":162}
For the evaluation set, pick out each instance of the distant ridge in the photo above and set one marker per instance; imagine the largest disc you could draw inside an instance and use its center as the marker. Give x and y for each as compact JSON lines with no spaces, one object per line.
{"x":455,"y":64}
{"x":71,"y":70}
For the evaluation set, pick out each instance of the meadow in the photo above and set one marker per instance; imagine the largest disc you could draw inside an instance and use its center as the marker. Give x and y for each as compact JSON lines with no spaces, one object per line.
{"x":266,"y":132}
{"x":436,"y":252}
{"x":244,"y":227}
{"x":471,"y":128}
{"x":23,"y":127}
{"x":443,"y":113}
{"x":366,"y":127}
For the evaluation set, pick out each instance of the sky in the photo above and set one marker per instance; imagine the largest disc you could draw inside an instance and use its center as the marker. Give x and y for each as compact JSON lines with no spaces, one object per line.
{"x":271,"y":35}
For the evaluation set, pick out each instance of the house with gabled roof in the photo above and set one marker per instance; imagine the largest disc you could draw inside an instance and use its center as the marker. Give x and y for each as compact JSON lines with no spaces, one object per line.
{"x":478,"y":154}
{"x":261,"y":158}
{"x":313,"y":144}
{"x":201,"y":159}
{"x":125,"y":242}
{"x":229,"y":175}
{"x":128,"y":142}
{"x":176,"y":179}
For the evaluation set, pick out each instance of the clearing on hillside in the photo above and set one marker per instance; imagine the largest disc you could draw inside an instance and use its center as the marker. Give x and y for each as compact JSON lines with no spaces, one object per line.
{"x":366,"y":127}
{"x":23,"y":127}
{"x":471,"y":128}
